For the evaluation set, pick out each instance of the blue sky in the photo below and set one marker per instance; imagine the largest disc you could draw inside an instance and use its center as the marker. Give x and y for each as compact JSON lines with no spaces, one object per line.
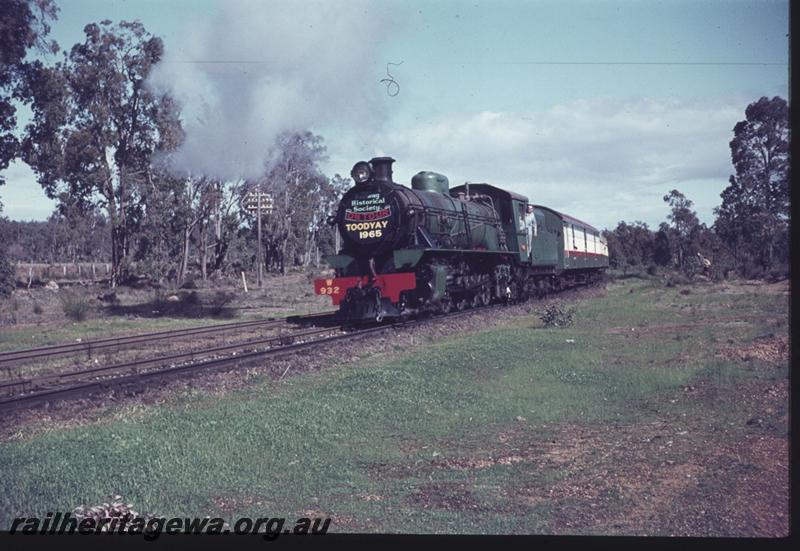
{"x":597,"y":109}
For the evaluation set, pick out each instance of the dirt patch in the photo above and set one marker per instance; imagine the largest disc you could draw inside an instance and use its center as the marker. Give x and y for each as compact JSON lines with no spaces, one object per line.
{"x":770,"y":348}
{"x":656,"y":480}
{"x":227,"y":505}
{"x":474,"y":463}
{"x":746,"y":287}
{"x":683,"y":327}
{"x":675,"y":475}
{"x":445,"y":495}
{"x":687,"y":476}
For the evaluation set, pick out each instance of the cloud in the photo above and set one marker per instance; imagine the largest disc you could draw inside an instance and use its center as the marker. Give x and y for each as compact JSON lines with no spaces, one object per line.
{"x":22,"y":196}
{"x":602,"y":158}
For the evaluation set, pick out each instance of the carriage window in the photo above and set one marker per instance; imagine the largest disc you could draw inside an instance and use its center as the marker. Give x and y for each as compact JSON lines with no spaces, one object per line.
{"x":585,"y":242}
{"x":574,"y":245}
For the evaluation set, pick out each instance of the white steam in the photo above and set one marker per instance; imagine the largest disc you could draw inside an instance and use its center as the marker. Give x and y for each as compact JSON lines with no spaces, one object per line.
{"x":259,"y":68}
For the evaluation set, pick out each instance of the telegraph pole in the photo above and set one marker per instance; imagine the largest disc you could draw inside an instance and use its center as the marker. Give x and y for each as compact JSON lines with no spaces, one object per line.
{"x":260,"y":247}
{"x":255,"y":202}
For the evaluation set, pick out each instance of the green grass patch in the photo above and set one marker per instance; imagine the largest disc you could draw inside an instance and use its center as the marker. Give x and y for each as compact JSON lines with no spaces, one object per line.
{"x":327,"y":441}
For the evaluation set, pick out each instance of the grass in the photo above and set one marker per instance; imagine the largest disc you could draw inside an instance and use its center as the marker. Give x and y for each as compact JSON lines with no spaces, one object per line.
{"x":380,"y":428}
{"x":33,"y":336}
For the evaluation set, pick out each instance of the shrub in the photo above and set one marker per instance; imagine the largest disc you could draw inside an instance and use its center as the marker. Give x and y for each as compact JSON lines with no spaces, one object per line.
{"x":693,"y":267}
{"x":159,"y":299}
{"x":676,"y":278}
{"x":219,"y":301}
{"x":777,"y":273}
{"x":190,"y":283}
{"x":110,"y":298}
{"x":191,"y":298}
{"x":76,"y":306}
{"x":14,"y":310}
{"x":7,"y":278}
{"x":37,"y":309}
{"x":752,"y":270}
{"x":554,"y":315}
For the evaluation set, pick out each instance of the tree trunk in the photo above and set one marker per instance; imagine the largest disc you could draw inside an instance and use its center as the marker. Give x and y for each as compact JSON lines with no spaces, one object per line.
{"x":123,"y":225}
{"x":220,"y":248}
{"x":282,"y":257}
{"x":185,"y":259}
{"x":203,"y":249}
{"x":115,"y":242}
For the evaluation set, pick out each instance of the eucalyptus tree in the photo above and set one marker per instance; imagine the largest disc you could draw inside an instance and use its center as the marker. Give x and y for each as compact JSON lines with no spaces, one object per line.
{"x":630,"y":245}
{"x":684,"y":223}
{"x":24,"y":25}
{"x":299,"y":190}
{"x":753,"y":216}
{"x":96,"y":125}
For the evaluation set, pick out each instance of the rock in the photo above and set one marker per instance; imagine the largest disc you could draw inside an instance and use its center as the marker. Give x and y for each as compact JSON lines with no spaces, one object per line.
{"x":51,"y":286}
{"x":755,"y":421}
{"x":173,"y":298}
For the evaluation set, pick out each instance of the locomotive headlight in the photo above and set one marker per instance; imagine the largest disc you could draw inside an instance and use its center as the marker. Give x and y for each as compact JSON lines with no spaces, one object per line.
{"x":331,"y":220}
{"x":362,"y":172}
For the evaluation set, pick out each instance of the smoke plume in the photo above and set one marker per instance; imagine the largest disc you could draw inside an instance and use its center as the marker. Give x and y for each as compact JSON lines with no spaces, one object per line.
{"x":256,"y":69}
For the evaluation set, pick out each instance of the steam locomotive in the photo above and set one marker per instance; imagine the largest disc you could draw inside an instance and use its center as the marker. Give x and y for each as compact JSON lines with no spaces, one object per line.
{"x":433,"y":248}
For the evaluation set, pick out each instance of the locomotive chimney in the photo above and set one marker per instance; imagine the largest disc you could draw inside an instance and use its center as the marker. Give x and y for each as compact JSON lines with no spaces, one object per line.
{"x":382,"y":169}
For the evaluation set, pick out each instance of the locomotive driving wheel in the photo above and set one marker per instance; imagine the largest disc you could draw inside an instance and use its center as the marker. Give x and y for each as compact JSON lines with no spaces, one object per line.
{"x":445,"y":305}
{"x":483,"y":296}
{"x":476,"y":300}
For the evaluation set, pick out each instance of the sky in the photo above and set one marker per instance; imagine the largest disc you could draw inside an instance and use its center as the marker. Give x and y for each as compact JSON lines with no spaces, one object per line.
{"x":596,"y":109}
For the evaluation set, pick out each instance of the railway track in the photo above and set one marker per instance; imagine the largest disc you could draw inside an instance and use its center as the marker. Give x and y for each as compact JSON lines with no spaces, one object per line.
{"x":26,"y":393}
{"x":52,"y":351}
